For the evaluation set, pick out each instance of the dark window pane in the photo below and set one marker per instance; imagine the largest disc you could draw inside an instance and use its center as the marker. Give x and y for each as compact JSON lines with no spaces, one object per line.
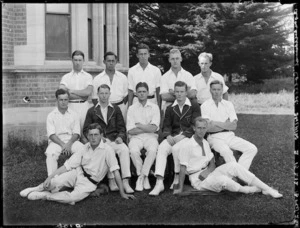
{"x":57,"y":36}
{"x":90,"y":39}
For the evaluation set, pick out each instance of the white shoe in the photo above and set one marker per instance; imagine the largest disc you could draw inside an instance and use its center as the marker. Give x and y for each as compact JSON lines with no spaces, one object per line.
{"x":38,"y":195}
{"x":140,"y":183}
{"x":127,"y":187}
{"x":25,"y":192}
{"x":113,"y":185}
{"x":147,"y":185}
{"x":175,"y":181}
{"x":272,"y":192}
{"x":159,"y":187}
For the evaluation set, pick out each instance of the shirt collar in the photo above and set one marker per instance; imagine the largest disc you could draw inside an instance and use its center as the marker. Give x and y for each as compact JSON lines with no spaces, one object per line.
{"x":109,"y":104}
{"x":57,"y":111}
{"x":100,"y":146}
{"x":212,"y":75}
{"x":139,"y":65}
{"x":148,"y":103}
{"x":73,"y":72}
{"x":187,"y":102}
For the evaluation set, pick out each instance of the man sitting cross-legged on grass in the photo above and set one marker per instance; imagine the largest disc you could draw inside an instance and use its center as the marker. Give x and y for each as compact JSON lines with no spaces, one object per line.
{"x":63,"y":130}
{"x":82,"y":171}
{"x":197,"y":160}
{"x":222,"y":122}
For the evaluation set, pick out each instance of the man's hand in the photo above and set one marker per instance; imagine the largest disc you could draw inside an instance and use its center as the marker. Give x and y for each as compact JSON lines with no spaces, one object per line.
{"x":66,"y":149}
{"x":128,"y":196}
{"x":119,"y":140}
{"x":102,"y":190}
{"x":47,"y":183}
{"x":171,"y":140}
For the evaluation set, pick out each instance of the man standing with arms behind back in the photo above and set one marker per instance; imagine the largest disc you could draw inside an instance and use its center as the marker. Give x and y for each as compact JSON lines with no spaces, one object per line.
{"x":206,"y":76}
{"x":143,"y":71}
{"x":79,"y":84}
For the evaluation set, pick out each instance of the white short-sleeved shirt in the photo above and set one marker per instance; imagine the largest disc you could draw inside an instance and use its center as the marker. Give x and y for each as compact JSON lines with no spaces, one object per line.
{"x":169,"y":79}
{"x":151,"y":75}
{"x":118,"y":87}
{"x":224,"y":110}
{"x":148,"y":114}
{"x":63,"y":125}
{"x":95,"y":162}
{"x":203,"y":88}
{"x":77,"y":81}
{"x":190,"y":155}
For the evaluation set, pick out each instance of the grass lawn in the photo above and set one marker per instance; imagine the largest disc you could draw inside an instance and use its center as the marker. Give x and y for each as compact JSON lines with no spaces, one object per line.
{"x":274,"y":164}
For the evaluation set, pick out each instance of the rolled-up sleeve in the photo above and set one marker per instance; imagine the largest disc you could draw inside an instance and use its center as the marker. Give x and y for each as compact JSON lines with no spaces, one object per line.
{"x":183,"y":155}
{"x":192,"y":82}
{"x":164,"y":85}
{"x":50,"y":125}
{"x":156,"y":116}
{"x":232,"y":113}
{"x":205,"y":112}
{"x":130,"y":80}
{"x":158,"y":78}
{"x":95,"y":87}
{"x":76,"y":126}
{"x":111,"y":159}
{"x":64,"y":80}
{"x":74,"y":161}
{"x":130,"y":119}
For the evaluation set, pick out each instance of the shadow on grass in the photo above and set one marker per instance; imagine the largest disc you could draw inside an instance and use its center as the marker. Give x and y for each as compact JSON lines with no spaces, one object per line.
{"x":274,"y":164}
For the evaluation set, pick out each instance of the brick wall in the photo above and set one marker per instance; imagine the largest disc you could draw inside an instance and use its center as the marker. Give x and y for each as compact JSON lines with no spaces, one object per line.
{"x":14,"y":31}
{"x":38,"y":86}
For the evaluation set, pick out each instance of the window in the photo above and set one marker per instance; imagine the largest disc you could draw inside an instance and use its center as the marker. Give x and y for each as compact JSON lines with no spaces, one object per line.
{"x":90,"y":32}
{"x":58,"y":31}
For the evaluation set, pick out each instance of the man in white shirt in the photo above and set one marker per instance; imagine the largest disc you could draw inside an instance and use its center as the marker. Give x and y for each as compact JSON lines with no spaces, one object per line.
{"x":116,"y":80}
{"x":177,"y":128}
{"x":63,"y":130}
{"x":144,"y":71}
{"x":176,"y":73}
{"x":82,"y":171}
{"x":110,"y":118}
{"x":222,"y":122}
{"x":197,"y":160}
{"x":206,"y":76}
{"x":80,"y":86}
{"x":143,"y":119}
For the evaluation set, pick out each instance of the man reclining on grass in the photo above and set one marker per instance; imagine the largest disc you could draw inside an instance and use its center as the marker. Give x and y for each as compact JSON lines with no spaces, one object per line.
{"x":197,"y":160}
{"x":82,"y":171}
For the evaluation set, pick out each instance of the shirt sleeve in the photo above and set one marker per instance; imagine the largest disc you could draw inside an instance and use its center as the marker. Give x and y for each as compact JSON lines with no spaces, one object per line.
{"x":95,"y":88}
{"x":89,"y":80}
{"x":111,"y":159}
{"x":232,"y":113}
{"x":64,"y":80}
{"x":156,"y":116}
{"x":164,"y":85}
{"x":205,"y":111}
{"x":130,"y":119}
{"x":76,"y":126}
{"x":75,"y":160}
{"x":158,"y":78}
{"x":192,"y":82}
{"x":125,"y":85}
{"x":184,"y":153}
{"x":50,"y":125}
{"x":225,"y":88}
{"x":130,"y":80}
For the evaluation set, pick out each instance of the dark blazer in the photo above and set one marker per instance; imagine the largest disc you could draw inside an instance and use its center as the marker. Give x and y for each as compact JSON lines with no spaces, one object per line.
{"x":176,"y":122}
{"x":115,"y":126}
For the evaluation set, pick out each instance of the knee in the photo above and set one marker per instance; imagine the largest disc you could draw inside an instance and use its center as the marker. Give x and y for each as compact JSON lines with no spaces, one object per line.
{"x":134,"y":151}
{"x":253,"y":149}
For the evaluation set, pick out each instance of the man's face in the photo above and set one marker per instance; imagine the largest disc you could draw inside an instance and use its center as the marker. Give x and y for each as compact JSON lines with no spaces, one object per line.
{"x":175,"y":60}
{"x":103,"y":95}
{"x":63,"y":101}
{"x":143,"y":56}
{"x":216,"y":91}
{"x":142,"y":94}
{"x":204,"y":64}
{"x":110,"y":62}
{"x":200,"y":129}
{"x":180,"y":93}
{"x":77,"y":62}
{"x":94,"y":137}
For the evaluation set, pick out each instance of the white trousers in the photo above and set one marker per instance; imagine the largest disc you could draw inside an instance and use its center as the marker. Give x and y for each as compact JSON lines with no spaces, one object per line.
{"x":54,"y":150}
{"x":135,"y":145}
{"x":123,"y":153}
{"x":225,"y":141}
{"x":164,"y":150}
{"x":72,"y":179}
{"x":221,"y":178}
{"x":81,"y":109}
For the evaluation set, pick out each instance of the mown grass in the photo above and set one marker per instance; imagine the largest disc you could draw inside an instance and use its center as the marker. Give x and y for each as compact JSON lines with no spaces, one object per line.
{"x":274,"y":164}
{"x":268,"y":86}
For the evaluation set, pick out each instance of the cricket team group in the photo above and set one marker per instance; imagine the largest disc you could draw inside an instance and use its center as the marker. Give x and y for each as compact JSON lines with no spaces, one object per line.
{"x":143,"y":118}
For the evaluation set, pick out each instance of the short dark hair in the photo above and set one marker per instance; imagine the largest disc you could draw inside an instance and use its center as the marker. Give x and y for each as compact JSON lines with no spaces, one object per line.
{"x":181,"y":84}
{"x":110,"y":53}
{"x":142,"y":46}
{"x":77,"y":52}
{"x":216,"y":82}
{"x":95,"y":126}
{"x":199,"y":119}
{"x":103,"y":86}
{"x":142,"y":84}
{"x":60,"y":92}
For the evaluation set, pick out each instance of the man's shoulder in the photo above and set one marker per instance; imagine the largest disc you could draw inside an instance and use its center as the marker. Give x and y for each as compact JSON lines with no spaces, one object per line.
{"x":217,"y":75}
{"x":198,"y":75}
{"x":186,"y":73}
{"x":208,"y":102}
{"x":166,"y":74}
{"x":50,"y":114}
{"x":86,"y":73}
{"x":98,"y":76}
